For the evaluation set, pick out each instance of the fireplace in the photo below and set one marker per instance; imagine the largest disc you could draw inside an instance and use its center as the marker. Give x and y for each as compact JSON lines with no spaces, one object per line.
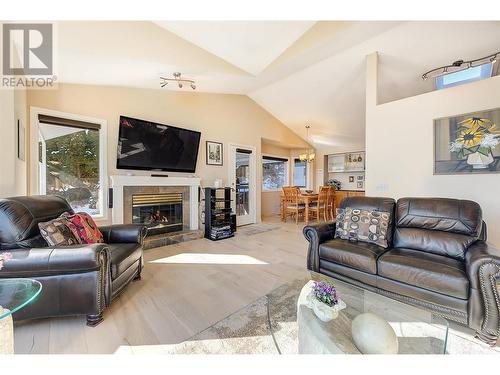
{"x":162,"y":212}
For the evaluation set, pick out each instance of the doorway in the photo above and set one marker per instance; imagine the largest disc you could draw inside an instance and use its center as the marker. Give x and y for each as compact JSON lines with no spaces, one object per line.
{"x":242,"y":178}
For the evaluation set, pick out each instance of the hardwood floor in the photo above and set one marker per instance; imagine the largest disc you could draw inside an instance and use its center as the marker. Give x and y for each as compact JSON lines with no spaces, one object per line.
{"x":185,"y":288}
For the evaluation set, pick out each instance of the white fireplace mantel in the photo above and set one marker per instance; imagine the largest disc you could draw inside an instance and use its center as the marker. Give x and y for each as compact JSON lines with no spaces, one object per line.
{"x":118,"y":182}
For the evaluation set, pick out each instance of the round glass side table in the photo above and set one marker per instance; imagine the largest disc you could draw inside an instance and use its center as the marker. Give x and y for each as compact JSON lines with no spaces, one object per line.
{"x":14,"y":295}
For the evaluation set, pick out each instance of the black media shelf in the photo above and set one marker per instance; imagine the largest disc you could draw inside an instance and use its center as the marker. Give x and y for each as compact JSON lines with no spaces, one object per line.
{"x":220,"y":222}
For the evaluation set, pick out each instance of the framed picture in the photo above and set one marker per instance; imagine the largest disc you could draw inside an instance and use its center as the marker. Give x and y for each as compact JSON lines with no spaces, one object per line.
{"x":360,"y":178}
{"x":351,"y":178}
{"x":468,"y":143}
{"x":20,"y":141}
{"x":215,"y":153}
{"x":360,"y":185}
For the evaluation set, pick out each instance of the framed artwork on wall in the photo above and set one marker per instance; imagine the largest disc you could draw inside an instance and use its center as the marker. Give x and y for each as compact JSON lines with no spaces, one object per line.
{"x":215,"y":153}
{"x":468,"y":143}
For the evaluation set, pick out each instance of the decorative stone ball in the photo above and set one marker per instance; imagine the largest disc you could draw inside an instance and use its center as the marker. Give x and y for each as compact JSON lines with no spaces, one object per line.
{"x":373,"y":335}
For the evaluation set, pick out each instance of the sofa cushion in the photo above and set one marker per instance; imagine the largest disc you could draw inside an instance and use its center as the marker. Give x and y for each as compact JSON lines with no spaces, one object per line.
{"x":123,"y":255}
{"x":425,"y":270}
{"x":358,"y":255}
{"x":373,"y":204}
{"x":86,"y":228}
{"x":354,"y":224}
{"x":19,"y":218}
{"x":437,"y":225}
{"x":59,"y":232}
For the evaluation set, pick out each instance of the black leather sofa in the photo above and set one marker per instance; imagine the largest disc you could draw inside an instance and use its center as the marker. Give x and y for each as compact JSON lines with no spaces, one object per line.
{"x":437,"y":259}
{"x":76,"y":280}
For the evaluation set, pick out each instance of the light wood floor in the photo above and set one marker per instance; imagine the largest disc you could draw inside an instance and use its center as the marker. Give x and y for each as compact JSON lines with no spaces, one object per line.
{"x":174,"y":301}
{"x":186,"y":288}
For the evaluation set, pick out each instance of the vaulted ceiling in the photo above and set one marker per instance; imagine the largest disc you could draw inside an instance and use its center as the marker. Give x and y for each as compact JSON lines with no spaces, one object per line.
{"x":300,"y":71}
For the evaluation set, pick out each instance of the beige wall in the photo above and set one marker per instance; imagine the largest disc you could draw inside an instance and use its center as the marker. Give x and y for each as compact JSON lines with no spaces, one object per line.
{"x":13,"y":170}
{"x":219,"y":117}
{"x":399,"y":146}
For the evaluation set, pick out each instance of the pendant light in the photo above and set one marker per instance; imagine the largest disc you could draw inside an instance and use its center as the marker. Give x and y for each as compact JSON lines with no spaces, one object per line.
{"x":309,"y":154}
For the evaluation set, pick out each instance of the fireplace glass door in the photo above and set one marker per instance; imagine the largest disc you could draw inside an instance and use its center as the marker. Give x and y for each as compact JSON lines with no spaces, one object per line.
{"x":162,"y":213}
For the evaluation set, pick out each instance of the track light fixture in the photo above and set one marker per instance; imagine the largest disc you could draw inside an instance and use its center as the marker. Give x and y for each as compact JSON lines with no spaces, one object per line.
{"x":460,"y":65}
{"x":178,"y":80}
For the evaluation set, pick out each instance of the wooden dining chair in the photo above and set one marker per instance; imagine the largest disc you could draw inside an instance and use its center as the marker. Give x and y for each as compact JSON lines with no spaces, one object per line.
{"x":320,"y":206}
{"x":330,"y":203}
{"x":292,"y":205}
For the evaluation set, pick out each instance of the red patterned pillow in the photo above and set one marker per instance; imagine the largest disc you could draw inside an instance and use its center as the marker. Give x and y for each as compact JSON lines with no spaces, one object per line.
{"x":87,"y":230}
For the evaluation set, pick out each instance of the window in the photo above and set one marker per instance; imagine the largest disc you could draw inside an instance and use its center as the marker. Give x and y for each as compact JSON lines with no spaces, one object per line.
{"x":274,"y":173}
{"x":300,"y":173}
{"x":70,"y":163}
{"x":464,"y":76}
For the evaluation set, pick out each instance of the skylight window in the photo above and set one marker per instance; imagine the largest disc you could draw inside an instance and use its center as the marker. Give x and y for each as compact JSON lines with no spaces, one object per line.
{"x":476,"y":73}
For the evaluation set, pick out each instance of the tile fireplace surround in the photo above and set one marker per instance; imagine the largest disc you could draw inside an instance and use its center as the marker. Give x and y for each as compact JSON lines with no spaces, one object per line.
{"x":125,"y":186}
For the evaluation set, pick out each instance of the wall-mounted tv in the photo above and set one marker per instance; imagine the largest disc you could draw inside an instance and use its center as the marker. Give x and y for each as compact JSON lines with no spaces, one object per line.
{"x":147,"y":145}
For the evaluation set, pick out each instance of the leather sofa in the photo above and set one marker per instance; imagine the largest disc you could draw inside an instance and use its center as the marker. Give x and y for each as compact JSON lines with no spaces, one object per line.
{"x":76,"y":280}
{"x":437,"y":259}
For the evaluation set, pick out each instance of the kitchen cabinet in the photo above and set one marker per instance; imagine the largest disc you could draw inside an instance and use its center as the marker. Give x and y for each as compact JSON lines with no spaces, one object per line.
{"x":346,"y":162}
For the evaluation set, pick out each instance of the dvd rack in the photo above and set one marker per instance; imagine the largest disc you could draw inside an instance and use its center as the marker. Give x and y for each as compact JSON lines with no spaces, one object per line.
{"x":219,"y":218}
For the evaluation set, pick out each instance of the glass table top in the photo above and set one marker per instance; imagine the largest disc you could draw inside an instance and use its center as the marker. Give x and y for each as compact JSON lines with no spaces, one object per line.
{"x":296,"y":329}
{"x":16,"y":294}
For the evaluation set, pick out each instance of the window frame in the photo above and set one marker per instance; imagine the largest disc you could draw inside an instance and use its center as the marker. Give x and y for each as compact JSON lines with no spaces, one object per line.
{"x":34,"y":183}
{"x":296,"y":158}
{"x":287,"y":177}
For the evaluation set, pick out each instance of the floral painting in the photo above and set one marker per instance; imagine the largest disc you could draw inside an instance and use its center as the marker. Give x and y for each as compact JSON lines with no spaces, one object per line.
{"x":467,"y":143}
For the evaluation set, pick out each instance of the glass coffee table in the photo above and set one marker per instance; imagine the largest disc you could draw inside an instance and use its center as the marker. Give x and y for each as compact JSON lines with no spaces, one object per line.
{"x":14,"y":295}
{"x":296,"y":329}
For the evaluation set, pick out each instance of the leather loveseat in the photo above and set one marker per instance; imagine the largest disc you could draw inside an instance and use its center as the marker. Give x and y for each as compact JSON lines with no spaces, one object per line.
{"x":437,"y":259}
{"x":76,"y":280}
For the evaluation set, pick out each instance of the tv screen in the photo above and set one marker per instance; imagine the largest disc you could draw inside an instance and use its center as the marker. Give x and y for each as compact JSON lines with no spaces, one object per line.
{"x":150,"y":146}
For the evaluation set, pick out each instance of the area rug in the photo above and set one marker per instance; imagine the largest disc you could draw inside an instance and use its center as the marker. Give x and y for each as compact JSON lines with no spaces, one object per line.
{"x":253,"y":229}
{"x":256,"y":328}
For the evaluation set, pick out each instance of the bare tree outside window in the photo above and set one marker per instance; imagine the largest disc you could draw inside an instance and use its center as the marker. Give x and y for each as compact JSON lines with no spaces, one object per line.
{"x":274,"y":173}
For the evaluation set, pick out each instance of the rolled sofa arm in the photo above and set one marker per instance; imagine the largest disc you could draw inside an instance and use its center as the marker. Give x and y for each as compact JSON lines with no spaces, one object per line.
{"x":482,"y":263}
{"x":124,"y":233}
{"x":316,"y":235}
{"x":47,"y":261}
{"x":76,"y":279}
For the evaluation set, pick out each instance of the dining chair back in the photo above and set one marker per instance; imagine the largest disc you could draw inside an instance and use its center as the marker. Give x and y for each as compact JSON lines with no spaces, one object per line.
{"x":292,"y":204}
{"x":330,"y":205}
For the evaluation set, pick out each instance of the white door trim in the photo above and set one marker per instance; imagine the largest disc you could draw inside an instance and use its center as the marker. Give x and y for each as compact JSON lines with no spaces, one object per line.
{"x":34,"y":183}
{"x":252,"y":181}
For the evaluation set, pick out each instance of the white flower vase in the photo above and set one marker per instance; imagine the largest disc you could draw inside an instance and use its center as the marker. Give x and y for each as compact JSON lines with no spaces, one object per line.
{"x":324,"y":312}
{"x":479,"y":161}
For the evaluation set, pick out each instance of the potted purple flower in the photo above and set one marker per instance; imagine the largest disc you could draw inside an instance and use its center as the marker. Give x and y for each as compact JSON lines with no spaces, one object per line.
{"x":324,"y":301}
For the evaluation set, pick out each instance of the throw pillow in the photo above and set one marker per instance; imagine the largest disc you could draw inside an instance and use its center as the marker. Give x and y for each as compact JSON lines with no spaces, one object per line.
{"x":59,"y":232}
{"x":86,"y":228}
{"x":362,"y":225}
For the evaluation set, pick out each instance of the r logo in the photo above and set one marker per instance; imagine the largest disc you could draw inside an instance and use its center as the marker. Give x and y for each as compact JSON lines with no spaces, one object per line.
{"x":27,"y":49}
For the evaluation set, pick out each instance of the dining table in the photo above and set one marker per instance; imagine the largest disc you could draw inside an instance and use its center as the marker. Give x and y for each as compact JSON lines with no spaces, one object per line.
{"x":306,"y":198}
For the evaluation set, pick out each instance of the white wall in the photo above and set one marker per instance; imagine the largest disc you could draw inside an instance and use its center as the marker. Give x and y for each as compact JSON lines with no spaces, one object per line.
{"x":399,"y":146}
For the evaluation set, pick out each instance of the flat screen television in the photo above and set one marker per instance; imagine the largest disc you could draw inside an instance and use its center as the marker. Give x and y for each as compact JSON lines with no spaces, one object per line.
{"x":147,"y":145}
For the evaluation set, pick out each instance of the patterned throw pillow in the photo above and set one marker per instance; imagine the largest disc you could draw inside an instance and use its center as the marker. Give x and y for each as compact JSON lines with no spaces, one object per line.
{"x":59,"y":232}
{"x":362,"y":225}
{"x":86,"y":228}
